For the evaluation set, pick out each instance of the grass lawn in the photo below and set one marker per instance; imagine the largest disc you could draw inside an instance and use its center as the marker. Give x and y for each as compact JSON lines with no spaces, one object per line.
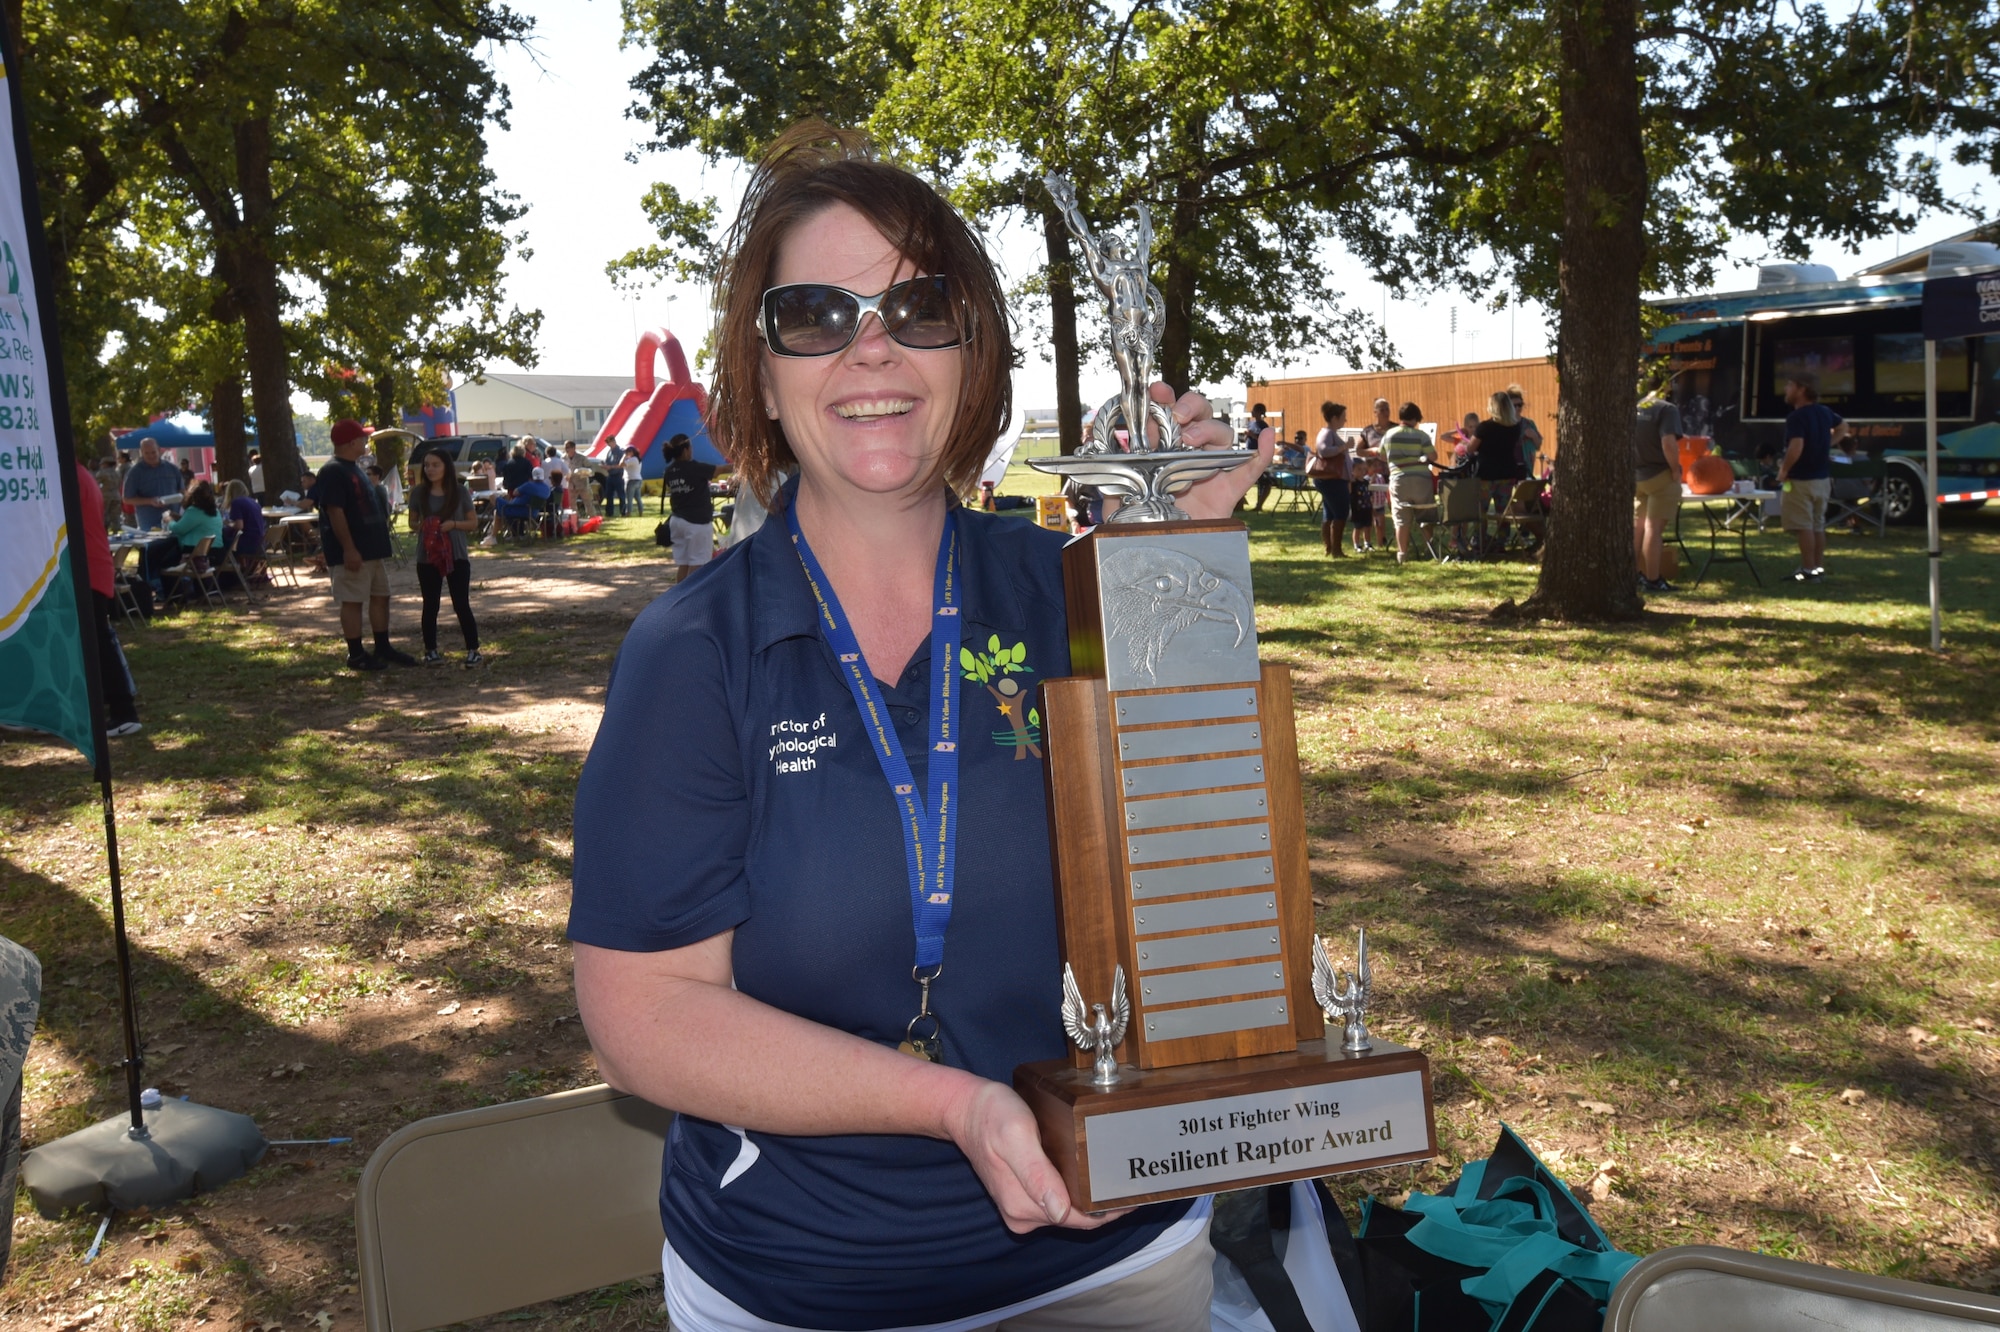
{"x":1707,"y":907}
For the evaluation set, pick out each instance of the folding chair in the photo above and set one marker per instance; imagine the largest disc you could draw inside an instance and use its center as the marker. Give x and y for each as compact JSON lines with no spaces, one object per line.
{"x":194,"y":569}
{"x":1724,"y":1290}
{"x":474,"y":1213}
{"x":231,"y":565}
{"x":128,"y":600}
{"x":1856,"y":494}
{"x":1523,"y":514}
{"x":1462,"y":506}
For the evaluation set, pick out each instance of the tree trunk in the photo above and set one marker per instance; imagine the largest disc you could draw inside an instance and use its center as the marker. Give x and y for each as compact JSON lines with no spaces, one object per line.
{"x":384,"y":385}
{"x":1588,"y":572}
{"x":261,"y":298}
{"x":1177,"y":339}
{"x":225,"y":419}
{"x":1062,"y":332}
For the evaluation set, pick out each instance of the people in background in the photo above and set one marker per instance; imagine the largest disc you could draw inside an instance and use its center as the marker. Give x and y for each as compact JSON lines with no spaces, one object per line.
{"x":198,"y":522}
{"x":1496,"y":450}
{"x":692,"y":524}
{"x":256,"y":463}
{"x":1289,"y":458}
{"x":121,"y":706}
{"x":1656,"y":485}
{"x":613,"y":474}
{"x":1531,"y":434}
{"x":1806,"y":473}
{"x":354,"y":538}
{"x":1461,"y":439}
{"x":1377,"y":430}
{"x":1329,"y":470}
{"x":244,"y":516}
{"x":555,"y":470}
{"x":517,"y":470}
{"x":581,"y":470}
{"x":187,"y":475}
{"x":635,"y":482}
{"x":441,"y":513}
{"x":111,"y":488}
{"x":153,"y":486}
{"x":1409,"y":454}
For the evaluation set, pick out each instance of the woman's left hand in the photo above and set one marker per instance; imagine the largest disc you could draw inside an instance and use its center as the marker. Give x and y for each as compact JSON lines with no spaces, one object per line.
{"x":1217,"y":496}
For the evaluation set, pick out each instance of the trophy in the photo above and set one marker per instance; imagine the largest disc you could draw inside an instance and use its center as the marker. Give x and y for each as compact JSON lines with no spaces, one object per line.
{"x":1196,"y":994}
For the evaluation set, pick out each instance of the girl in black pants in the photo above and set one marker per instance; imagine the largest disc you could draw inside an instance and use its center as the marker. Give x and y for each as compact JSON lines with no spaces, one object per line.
{"x":441,"y":512}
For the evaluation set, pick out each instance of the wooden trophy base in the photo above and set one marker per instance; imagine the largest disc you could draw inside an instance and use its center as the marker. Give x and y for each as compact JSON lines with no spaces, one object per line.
{"x":1178,"y":1132}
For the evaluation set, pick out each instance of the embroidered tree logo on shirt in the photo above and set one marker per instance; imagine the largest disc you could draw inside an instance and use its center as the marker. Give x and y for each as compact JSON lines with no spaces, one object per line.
{"x":995,"y":669}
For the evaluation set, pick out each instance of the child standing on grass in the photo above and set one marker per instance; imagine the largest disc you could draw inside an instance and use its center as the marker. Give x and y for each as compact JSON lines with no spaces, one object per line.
{"x":441,"y":512}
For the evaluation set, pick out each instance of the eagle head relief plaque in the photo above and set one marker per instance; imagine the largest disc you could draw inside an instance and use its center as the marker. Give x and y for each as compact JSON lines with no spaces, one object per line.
{"x":1196,"y":994}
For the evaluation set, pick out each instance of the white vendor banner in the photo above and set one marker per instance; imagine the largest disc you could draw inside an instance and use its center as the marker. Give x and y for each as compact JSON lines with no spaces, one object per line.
{"x":43,"y":684}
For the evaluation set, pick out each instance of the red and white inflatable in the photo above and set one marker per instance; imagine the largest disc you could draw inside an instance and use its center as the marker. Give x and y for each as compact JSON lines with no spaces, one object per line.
{"x":652,"y":412}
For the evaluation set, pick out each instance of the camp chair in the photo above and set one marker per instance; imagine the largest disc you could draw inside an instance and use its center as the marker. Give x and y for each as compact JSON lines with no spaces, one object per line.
{"x":1856,"y":494}
{"x":1423,"y":520}
{"x":1523,"y":514}
{"x":194,"y":569}
{"x":1724,"y":1290}
{"x":1462,"y":508}
{"x":473,"y":1213}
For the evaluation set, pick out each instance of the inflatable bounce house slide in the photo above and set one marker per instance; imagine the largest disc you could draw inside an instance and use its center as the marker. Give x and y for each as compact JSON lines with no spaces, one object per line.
{"x":650,"y":413}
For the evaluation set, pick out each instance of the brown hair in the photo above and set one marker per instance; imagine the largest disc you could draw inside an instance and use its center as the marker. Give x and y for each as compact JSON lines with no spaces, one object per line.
{"x":420,"y":491}
{"x":1329,"y":410}
{"x":202,"y":496}
{"x":808,"y":169}
{"x":1410,"y":413}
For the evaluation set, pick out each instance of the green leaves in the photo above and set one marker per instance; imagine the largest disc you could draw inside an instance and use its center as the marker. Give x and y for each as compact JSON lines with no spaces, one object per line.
{"x":996,"y":660}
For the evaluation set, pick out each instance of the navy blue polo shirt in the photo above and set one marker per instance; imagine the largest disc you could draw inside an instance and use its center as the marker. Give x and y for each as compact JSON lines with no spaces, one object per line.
{"x":1814,"y":424}
{"x":727,"y":719}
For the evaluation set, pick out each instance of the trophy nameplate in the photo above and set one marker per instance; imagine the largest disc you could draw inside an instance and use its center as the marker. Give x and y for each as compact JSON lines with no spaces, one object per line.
{"x":1184,"y":896}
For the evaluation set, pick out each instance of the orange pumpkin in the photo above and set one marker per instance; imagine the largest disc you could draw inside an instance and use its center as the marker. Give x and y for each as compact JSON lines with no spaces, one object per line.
{"x":1711,"y":475}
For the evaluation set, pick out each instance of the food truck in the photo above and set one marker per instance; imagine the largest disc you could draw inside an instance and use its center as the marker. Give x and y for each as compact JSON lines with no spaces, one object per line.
{"x":1730,"y":354}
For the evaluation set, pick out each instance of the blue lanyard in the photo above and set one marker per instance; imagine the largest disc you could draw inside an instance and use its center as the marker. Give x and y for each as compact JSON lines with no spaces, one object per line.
{"x":930,"y":829}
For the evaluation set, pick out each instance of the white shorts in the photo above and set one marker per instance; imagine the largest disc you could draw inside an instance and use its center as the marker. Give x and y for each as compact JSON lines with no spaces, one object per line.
{"x":694,"y":543}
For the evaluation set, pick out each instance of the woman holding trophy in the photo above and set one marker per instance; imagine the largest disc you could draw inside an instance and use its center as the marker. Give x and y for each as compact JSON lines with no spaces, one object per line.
{"x":852,"y":943}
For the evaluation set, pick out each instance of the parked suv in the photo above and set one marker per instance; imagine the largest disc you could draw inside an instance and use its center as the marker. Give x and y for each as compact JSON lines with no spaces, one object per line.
{"x":465,"y":450}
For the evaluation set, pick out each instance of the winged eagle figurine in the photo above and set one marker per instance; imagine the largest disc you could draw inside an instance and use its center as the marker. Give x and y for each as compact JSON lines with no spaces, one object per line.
{"x":1344,"y":998}
{"x":1091,"y":1028}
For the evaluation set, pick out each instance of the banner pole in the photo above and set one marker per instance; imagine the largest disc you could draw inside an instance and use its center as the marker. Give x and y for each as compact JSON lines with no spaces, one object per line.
{"x":57,"y":390}
{"x":1936,"y":550}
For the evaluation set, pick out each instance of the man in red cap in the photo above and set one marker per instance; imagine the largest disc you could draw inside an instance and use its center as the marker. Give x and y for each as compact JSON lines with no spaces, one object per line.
{"x":354,"y":536}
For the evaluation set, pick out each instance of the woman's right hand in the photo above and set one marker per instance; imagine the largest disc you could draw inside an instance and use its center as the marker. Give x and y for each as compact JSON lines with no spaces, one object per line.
{"x":997,"y":1132}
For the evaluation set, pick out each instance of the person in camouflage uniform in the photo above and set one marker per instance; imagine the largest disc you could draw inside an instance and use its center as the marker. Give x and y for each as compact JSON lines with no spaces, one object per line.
{"x":20,"y":1004}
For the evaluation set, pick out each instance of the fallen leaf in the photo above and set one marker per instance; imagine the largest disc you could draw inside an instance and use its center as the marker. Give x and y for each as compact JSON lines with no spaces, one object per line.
{"x":1458,"y":1003}
{"x":87,"y":1316}
{"x":448,"y":1009}
{"x":1598,"y":1107}
{"x":1901,"y":936}
{"x":190,"y":1263}
{"x":1853,"y":1096}
{"x":1604,"y":1181}
{"x":162,"y":1051}
{"x":1684,"y":827}
{"x":1982,"y":1024}
{"x":1919,"y":1037}
{"x":1487,"y":1022}
{"x":322,"y":1320}
{"x":1799,"y":1149}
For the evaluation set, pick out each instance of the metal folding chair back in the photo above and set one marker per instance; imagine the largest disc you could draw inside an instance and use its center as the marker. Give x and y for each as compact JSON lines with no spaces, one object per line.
{"x":474,"y":1213}
{"x":194,"y":568}
{"x":1698,"y":1287}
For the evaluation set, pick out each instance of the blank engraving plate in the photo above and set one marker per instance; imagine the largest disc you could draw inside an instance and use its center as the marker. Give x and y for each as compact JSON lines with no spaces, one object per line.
{"x":1155,"y":954}
{"x":1208,"y":878}
{"x":1224,"y":840}
{"x":1183,"y":742}
{"x":1244,"y":1015}
{"x":1176,"y":610}
{"x":1184,"y":987}
{"x":1215,"y":807}
{"x":1170,"y":777}
{"x":1171,"y":917}
{"x":1218,"y":1143}
{"x":1195,"y":705}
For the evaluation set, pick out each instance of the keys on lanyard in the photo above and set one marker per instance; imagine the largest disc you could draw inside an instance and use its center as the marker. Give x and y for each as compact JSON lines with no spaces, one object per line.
{"x":925,"y":1032}
{"x":930,"y":829}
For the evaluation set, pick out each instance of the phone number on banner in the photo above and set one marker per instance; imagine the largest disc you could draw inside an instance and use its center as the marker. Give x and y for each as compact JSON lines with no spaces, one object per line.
{"x":23,"y":488}
{"x":19,"y":418}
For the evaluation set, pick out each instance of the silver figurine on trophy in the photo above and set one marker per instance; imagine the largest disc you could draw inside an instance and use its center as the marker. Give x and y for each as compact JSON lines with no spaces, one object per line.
{"x":1148,"y":472}
{"x":1095,"y":1029}
{"x":1344,"y":998}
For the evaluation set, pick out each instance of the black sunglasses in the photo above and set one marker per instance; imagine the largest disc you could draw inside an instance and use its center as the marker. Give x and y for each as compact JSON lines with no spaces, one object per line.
{"x":819,"y":319}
